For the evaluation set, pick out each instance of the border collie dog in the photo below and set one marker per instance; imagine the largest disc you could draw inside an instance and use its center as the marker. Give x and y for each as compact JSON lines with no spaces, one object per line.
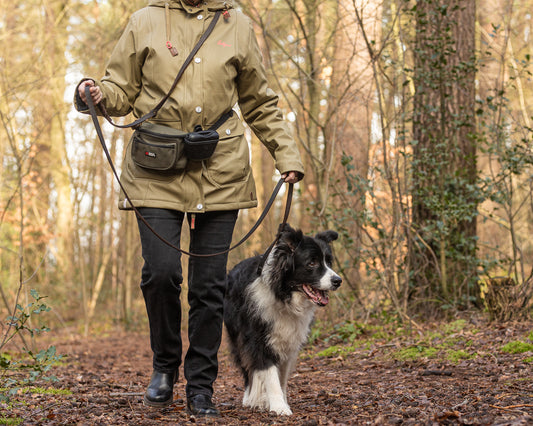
{"x":268,"y":314}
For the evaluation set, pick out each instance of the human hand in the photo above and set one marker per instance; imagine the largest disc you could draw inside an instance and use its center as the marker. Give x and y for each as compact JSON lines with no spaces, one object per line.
{"x":292,"y":177}
{"x":96,"y":93}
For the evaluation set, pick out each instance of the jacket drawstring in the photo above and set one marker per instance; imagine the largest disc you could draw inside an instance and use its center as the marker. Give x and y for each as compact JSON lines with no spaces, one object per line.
{"x":172,"y":49}
{"x":225,"y":13}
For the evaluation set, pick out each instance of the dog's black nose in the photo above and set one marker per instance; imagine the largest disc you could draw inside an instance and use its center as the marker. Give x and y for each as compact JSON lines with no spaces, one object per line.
{"x":336,"y":281}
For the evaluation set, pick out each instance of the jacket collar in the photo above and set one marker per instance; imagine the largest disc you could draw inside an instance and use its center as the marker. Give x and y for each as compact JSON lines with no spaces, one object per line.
{"x":179,"y":4}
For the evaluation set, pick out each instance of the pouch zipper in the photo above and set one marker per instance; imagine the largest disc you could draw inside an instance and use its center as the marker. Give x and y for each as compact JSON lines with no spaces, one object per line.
{"x":160,"y":135}
{"x":157,"y":145}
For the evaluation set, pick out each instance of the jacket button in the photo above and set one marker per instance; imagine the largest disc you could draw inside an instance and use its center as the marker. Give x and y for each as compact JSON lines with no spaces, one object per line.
{"x":228,"y":132}
{"x":198,"y":109}
{"x":197,"y":60}
{"x":199,"y":17}
{"x":200,"y":206}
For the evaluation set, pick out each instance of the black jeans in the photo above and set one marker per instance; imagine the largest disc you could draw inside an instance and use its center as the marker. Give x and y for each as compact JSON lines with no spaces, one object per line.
{"x":161,"y":287}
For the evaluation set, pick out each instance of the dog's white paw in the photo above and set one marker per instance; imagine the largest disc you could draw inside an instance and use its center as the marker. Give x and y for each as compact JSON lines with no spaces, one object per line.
{"x":281,"y":409}
{"x":246,"y":398}
{"x":254,"y":401}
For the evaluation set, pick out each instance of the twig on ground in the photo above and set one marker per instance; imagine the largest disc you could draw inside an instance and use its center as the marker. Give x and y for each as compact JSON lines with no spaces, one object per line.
{"x":126,"y":393}
{"x":512,"y":407}
{"x":436,"y":373}
{"x":465,"y":402}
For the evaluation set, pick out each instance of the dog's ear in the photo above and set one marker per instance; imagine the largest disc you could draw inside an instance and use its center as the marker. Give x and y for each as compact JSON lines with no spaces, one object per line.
{"x":284,"y":227}
{"x":283,"y":261}
{"x":327,"y":236}
{"x":290,"y":237}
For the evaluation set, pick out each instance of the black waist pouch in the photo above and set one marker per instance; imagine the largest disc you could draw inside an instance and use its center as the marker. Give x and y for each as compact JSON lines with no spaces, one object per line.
{"x":159,"y":148}
{"x":200,"y":144}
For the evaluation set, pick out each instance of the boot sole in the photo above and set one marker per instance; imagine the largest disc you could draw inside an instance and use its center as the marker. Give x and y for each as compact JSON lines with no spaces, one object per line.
{"x":161,"y":404}
{"x":212,"y":415}
{"x":200,"y":414}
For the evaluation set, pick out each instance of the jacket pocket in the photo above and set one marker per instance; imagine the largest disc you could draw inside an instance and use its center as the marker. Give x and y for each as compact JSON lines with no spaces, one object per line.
{"x":158,"y":148}
{"x":230,"y":162}
{"x":138,"y":172}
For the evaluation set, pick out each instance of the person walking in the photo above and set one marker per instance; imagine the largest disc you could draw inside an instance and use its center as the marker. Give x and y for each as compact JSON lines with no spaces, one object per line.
{"x":226,"y":71}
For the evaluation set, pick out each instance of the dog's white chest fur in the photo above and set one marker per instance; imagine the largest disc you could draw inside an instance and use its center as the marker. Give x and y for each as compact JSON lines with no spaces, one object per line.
{"x":289,"y":320}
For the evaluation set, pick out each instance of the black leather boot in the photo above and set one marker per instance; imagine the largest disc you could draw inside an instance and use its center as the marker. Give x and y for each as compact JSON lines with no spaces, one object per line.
{"x":160,"y":390}
{"x":201,"y":405}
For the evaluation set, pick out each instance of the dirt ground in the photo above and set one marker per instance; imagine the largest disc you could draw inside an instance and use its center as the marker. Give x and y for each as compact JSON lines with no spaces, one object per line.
{"x":364,"y":385}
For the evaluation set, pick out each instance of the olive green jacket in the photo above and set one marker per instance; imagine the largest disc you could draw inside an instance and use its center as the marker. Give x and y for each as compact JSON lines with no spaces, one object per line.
{"x":227,"y":70}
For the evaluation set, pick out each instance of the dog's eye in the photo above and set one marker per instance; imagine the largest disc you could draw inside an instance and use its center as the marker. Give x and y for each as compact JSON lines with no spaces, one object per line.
{"x":312,"y":264}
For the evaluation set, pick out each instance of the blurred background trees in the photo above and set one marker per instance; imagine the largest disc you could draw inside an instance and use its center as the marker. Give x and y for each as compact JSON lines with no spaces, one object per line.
{"x":413,"y":119}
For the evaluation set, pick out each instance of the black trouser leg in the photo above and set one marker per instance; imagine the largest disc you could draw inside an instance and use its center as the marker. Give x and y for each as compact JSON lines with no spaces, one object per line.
{"x":207,"y":286}
{"x":161,"y":286}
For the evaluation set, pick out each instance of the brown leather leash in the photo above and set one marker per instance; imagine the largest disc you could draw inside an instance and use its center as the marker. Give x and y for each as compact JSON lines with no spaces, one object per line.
{"x":151,"y":114}
{"x":264,"y":257}
{"x":94,"y":116}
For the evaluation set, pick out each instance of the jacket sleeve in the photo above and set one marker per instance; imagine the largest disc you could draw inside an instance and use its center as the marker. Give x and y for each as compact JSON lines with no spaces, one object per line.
{"x":122,"y":80}
{"x":259,"y":106}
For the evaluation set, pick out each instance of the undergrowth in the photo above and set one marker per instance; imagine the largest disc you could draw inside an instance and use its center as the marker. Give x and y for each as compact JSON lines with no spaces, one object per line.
{"x":449,"y":342}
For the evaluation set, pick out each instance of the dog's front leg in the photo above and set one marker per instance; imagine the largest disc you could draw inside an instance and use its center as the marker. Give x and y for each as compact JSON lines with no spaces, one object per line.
{"x":275,"y":394}
{"x":286,"y":370}
{"x":255,"y":394}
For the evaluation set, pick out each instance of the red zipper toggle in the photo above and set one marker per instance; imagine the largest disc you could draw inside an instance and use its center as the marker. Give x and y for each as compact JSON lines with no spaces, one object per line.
{"x":226,"y":15}
{"x":173,"y":50}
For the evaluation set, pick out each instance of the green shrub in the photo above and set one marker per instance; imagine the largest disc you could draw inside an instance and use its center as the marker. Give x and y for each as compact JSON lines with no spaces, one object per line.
{"x":35,"y":365}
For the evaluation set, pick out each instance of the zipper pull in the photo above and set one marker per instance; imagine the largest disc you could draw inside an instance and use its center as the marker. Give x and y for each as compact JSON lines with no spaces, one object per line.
{"x":173,"y":51}
{"x":193,"y":220}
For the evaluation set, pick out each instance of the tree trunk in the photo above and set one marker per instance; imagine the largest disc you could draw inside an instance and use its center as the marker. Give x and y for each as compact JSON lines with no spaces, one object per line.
{"x":444,"y":167}
{"x":49,"y":116}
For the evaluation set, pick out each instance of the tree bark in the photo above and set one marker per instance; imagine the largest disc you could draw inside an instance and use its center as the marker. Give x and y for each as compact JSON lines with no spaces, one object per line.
{"x":444,"y":153}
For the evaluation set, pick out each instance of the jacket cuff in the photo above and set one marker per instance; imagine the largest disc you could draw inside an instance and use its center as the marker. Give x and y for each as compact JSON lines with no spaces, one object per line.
{"x":291,"y":166}
{"x":78,"y":103}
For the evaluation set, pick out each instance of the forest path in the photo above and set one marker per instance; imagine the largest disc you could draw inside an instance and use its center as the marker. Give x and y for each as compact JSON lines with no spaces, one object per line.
{"x":107,"y":377}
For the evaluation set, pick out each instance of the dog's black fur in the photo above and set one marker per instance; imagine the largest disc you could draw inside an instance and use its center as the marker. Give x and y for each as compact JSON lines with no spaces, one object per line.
{"x":268,"y":315}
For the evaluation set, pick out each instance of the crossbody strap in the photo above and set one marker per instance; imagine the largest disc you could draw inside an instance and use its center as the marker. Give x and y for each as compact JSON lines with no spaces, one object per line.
{"x":188,"y":60}
{"x":222,"y":120}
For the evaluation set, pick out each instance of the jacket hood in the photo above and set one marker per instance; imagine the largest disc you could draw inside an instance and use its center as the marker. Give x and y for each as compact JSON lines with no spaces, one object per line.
{"x":178,"y":4}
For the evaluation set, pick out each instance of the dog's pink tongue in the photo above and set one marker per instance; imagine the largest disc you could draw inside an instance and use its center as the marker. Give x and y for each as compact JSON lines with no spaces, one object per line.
{"x":319,"y":297}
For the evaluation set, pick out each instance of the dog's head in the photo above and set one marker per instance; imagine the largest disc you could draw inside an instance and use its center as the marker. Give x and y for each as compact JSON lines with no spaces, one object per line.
{"x":303,"y":264}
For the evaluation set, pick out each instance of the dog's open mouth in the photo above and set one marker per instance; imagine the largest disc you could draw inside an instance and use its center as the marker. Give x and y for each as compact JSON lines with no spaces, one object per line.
{"x":320,"y":297}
